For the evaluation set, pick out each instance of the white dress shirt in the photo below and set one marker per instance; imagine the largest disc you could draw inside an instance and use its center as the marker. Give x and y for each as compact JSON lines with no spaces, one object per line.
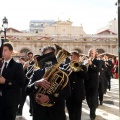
{"x":4,"y":64}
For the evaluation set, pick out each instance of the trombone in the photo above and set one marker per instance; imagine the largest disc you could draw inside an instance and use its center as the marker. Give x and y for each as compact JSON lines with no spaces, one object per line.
{"x":30,"y":71}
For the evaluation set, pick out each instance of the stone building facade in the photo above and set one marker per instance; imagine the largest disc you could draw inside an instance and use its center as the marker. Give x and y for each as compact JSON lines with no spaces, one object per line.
{"x":65,"y":35}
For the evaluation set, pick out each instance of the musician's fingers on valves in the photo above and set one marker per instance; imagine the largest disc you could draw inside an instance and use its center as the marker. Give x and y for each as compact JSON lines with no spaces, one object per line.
{"x":43,"y":83}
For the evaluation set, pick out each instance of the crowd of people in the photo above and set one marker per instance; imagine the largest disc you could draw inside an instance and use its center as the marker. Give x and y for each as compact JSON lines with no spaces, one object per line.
{"x":87,"y":78}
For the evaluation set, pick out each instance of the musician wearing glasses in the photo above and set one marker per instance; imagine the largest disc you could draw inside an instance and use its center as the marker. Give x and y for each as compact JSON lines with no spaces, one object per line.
{"x":56,"y":110}
{"x":91,"y":84}
{"x":27,"y":66}
{"x":76,"y":78}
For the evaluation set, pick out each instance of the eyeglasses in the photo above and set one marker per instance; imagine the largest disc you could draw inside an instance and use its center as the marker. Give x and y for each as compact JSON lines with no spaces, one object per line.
{"x":30,"y":56}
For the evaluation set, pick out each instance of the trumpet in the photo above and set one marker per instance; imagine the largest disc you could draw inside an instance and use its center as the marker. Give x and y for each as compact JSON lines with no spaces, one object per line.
{"x":75,"y":66}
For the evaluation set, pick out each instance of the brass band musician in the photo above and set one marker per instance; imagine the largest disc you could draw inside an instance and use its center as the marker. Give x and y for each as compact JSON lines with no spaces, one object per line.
{"x":11,"y":81}
{"x":103,"y":83}
{"x":55,"y":112}
{"x":109,"y":65}
{"x":27,"y":66}
{"x":91,"y":85}
{"x":76,"y":78}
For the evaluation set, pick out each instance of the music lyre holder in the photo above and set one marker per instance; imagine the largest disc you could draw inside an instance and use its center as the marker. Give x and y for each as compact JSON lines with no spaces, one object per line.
{"x":47,"y":60}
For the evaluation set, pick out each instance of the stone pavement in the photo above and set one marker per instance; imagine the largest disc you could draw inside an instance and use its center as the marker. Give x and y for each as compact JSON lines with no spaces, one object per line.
{"x":108,"y":111}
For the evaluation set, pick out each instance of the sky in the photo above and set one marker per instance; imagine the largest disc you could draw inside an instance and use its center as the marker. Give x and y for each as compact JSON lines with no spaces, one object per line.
{"x":92,"y":14}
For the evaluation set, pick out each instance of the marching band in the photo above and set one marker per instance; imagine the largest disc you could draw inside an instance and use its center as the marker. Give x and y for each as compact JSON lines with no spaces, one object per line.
{"x":53,"y":87}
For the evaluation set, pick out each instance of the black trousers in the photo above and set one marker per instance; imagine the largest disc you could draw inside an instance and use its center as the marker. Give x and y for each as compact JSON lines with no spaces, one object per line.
{"x":109,"y":81}
{"x":101,"y":91}
{"x":100,"y":97}
{"x":22,"y":101}
{"x":92,"y":100}
{"x":74,"y":108}
{"x":8,"y":112}
{"x":56,"y":112}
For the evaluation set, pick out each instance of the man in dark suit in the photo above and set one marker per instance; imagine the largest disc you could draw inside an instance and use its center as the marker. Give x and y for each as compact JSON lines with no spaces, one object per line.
{"x":76,"y":78}
{"x":11,"y":80}
{"x":109,"y":66}
{"x":102,"y":80}
{"x":28,"y":71}
{"x":92,"y":83}
{"x":55,"y":112}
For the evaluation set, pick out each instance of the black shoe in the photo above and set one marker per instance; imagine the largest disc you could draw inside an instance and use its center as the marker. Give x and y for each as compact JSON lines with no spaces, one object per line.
{"x":101,"y":102}
{"x":92,"y":117}
{"x":19,"y":113}
{"x":30,"y":111}
{"x":109,"y":88}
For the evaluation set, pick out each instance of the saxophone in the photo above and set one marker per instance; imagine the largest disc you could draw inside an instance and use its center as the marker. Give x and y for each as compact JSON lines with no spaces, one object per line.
{"x":57,"y":78}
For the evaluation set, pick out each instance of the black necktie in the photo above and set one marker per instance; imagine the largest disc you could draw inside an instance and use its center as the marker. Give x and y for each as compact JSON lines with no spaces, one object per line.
{"x":4,"y":69}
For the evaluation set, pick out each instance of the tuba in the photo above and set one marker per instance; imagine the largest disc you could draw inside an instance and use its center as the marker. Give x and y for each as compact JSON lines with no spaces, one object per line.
{"x":57,"y":78}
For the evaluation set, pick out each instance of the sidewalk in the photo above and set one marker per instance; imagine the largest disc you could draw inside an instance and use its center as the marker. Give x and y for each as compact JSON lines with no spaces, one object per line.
{"x":108,"y":111}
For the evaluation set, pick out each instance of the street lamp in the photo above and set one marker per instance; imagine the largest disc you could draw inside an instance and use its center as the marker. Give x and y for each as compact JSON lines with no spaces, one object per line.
{"x":5,"y":25}
{"x":2,"y":40}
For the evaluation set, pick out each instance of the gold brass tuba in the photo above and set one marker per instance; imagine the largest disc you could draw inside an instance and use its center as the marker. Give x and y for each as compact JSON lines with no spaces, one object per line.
{"x":57,"y":78}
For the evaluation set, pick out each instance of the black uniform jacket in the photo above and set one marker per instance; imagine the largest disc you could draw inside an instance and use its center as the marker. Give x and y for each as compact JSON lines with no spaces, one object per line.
{"x":102,"y":78}
{"x":61,"y":95}
{"x":77,"y":80}
{"x":109,"y":66}
{"x":15,"y":77}
{"x":93,"y":73}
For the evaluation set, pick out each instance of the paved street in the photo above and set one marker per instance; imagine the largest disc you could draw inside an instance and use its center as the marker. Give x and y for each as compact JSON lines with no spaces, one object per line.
{"x":108,"y":111}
